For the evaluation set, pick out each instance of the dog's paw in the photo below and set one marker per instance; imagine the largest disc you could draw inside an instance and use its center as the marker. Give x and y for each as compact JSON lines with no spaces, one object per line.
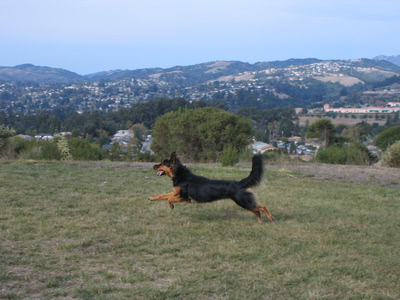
{"x":171,"y":205}
{"x":150,"y":198}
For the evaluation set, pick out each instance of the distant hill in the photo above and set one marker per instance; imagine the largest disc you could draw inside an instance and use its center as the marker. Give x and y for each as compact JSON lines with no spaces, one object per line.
{"x":394,"y":59}
{"x":194,"y":74}
{"x":29,"y":72}
{"x":181,"y":75}
{"x":202,"y":73}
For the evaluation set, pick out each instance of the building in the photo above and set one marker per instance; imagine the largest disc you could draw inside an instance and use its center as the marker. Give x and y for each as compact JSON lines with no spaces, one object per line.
{"x":43,"y":137}
{"x":122,"y":137}
{"x":364,"y":110}
{"x":394,"y":104}
{"x":260,"y":147}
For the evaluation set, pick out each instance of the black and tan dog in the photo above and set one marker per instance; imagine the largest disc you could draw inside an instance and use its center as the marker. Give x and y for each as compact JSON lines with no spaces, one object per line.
{"x":188,"y":188}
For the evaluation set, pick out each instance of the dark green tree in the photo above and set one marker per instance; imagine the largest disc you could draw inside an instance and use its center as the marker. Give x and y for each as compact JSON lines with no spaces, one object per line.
{"x":200,"y":134}
{"x":324,"y":130}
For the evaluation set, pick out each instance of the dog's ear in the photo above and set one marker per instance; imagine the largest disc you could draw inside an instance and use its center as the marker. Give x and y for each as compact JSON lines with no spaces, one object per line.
{"x":172,"y":158}
{"x":174,"y":162}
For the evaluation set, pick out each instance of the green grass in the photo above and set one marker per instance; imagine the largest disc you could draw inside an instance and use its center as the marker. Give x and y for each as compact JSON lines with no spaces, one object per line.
{"x":87,"y":231}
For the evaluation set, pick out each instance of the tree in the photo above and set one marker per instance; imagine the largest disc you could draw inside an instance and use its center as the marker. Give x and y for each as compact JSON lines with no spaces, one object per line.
{"x":324,"y":130}
{"x":200,"y":134}
{"x":292,"y":148}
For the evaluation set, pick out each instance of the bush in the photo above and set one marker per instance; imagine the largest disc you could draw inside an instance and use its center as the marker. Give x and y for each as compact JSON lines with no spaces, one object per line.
{"x":273,"y":156}
{"x":44,"y":150}
{"x":388,"y":137}
{"x":230,"y":156}
{"x":145,"y":156}
{"x":21,"y":145}
{"x":4,"y":134}
{"x":391,"y":157}
{"x":356,"y":154}
{"x":83,"y":150}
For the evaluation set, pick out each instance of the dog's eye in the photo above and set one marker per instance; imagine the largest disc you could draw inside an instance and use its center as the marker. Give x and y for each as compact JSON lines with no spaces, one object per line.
{"x":166,"y":162}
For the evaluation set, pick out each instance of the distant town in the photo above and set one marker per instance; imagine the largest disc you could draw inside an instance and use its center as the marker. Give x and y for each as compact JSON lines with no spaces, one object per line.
{"x":296,"y":85}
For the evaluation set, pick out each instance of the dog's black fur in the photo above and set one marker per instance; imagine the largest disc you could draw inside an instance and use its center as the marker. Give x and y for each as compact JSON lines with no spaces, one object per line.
{"x":188,"y":187}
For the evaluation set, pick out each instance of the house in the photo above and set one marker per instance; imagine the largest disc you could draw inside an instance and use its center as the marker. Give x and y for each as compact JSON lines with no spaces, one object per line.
{"x":296,"y":139}
{"x":66,"y":134}
{"x":122,"y":137}
{"x":365,"y":110}
{"x":394,"y":104}
{"x":260,"y":147}
{"x":44,"y":137}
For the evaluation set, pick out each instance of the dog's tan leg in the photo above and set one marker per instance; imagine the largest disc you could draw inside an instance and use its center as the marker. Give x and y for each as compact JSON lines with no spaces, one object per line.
{"x":258,"y":215}
{"x":172,"y":198}
{"x":176,"y":198}
{"x":265,"y":211}
{"x":161,"y":197}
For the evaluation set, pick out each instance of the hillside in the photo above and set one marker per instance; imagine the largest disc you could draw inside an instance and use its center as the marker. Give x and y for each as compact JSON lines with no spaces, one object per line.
{"x":41,"y":75}
{"x":202,"y":73}
{"x":185,"y":75}
{"x":394,"y":59}
{"x":264,"y":85}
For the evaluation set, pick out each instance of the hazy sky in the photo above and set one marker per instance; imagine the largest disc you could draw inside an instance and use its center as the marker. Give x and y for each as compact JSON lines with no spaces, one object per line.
{"x":87,"y":36}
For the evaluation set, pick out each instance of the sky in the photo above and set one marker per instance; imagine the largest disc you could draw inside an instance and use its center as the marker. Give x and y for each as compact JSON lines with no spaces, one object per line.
{"x":89,"y":36}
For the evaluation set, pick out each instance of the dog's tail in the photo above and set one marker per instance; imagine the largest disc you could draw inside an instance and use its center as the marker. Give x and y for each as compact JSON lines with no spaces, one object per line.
{"x":256,"y":173}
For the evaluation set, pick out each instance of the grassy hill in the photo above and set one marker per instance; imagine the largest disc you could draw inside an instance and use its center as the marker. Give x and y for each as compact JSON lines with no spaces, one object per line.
{"x":87,"y":230}
{"x":39,"y":74}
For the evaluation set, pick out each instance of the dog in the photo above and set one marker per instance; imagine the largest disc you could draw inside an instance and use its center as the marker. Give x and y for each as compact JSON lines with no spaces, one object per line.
{"x":189,"y":188}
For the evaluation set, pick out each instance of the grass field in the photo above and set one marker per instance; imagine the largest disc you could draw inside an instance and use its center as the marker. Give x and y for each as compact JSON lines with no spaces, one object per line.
{"x":87,"y":231}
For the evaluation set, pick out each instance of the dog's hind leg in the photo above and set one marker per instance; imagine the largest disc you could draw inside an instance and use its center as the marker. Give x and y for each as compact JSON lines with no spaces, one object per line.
{"x":265,"y":211}
{"x":247,"y":200}
{"x":258,"y":215}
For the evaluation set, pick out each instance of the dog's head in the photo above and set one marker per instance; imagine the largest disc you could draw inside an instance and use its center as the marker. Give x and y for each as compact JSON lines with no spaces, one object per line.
{"x":168,"y":166}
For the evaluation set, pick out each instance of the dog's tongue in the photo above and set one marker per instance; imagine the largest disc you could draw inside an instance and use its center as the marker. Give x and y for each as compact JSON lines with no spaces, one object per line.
{"x":160,"y":173}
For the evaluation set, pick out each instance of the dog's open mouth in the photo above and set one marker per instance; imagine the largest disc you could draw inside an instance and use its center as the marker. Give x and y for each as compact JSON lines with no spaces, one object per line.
{"x":160,"y":173}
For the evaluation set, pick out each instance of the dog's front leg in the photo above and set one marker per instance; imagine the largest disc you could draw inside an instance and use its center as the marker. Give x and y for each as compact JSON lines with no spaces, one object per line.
{"x":172,"y":198}
{"x":161,"y":197}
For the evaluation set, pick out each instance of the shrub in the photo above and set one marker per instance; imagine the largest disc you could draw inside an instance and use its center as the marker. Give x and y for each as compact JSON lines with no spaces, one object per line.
{"x":145,"y":156}
{"x":5,"y":148}
{"x":332,"y":155}
{"x":356,"y":154}
{"x":44,"y":150}
{"x":62,"y":146}
{"x":391,"y":157}
{"x":230,"y":156}
{"x":21,"y":145}
{"x":272,"y":156}
{"x":4,"y":134}
{"x":83,"y":150}
{"x":388,"y":137}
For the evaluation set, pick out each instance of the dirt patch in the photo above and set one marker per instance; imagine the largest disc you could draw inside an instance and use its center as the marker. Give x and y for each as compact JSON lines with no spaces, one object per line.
{"x":344,"y":80}
{"x":375,"y":176}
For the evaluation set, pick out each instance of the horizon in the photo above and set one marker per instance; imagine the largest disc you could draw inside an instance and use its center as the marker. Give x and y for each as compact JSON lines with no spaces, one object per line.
{"x":90,"y":36}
